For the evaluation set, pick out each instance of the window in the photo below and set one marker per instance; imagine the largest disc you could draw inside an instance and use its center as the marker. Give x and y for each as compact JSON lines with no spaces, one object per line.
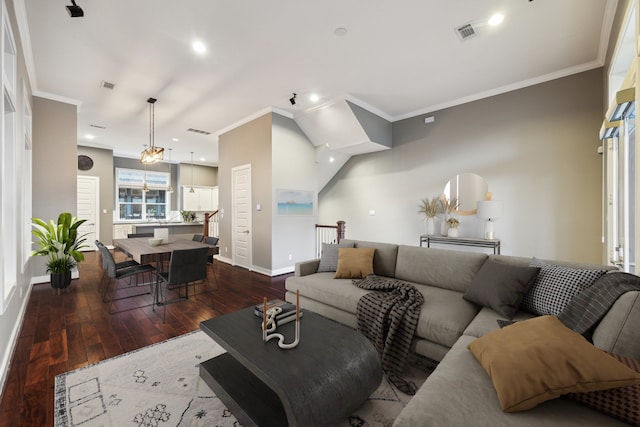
{"x":142,"y":195}
{"x":9,"y":159}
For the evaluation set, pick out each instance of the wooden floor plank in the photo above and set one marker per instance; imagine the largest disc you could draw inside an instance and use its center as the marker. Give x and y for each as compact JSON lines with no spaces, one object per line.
{"x":71,"y":330}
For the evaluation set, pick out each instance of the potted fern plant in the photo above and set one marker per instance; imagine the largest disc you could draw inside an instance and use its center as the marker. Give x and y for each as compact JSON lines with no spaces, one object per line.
{"x":61,"y":244}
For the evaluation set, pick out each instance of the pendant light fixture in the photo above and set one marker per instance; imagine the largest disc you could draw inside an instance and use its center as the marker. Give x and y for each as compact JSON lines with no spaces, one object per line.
{"x":192,"y":190}
{"x":170,"y":189}
{"x":151,"y":154}
{"x":145,"y":187}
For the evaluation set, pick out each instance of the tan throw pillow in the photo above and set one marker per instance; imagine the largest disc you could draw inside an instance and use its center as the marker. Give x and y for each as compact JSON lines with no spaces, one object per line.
{"x":540,"y":359}
{"x":354,"y":263}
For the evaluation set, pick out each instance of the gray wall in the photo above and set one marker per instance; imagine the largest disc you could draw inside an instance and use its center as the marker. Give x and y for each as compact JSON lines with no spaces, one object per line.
{"x":294,"y":168}
{"x":103,"y":169}
{"x":248,"y":144}
{"x":536,"y":147}
{"x":55,"y":162}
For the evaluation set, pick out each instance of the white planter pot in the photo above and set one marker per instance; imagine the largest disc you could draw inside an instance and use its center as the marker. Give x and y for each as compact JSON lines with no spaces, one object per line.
{"x":453,"y":232}
{"x":444,"y":227}
{"x":431,"y":226}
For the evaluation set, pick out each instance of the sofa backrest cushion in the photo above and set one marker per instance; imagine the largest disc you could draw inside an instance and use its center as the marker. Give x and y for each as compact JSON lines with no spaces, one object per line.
{"x":438,"y":267}
{"x":384,"y":259}
{"x":618,"y":330}
{"x":524,"y":261}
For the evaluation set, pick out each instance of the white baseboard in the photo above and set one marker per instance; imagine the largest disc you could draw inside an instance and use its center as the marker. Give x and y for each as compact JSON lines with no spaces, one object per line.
{"x":265,"y":271}
{"x":13,"y":340}
{"x":46,"y":279}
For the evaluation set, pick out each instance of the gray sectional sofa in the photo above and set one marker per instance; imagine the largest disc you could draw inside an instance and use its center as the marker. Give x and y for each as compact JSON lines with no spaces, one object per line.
{"x":459,"y":392}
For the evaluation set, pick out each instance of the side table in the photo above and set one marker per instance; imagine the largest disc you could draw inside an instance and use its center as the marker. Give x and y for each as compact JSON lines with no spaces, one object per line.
{"x":462,"y":241}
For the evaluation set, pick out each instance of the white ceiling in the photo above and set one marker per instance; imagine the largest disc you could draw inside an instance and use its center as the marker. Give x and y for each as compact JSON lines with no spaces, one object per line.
{"x":398,"y":59}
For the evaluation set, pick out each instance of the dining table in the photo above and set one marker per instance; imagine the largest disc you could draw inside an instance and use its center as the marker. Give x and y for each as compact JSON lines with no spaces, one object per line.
{"x":144,"y":252}
{"x":140,"y":250}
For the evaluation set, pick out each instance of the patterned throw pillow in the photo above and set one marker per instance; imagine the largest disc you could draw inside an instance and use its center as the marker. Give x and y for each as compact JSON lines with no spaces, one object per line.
{"x":329,"y":257}
{"x":622,"y":403}
{"x":555,"y":286}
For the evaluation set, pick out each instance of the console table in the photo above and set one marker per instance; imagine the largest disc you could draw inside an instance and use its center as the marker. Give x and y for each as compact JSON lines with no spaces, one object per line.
{"x":462,"y":241}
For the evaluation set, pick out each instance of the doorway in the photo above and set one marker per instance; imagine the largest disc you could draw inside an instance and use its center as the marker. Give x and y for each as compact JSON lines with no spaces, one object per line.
{"x":241,"y":216}
{"x":89,"y":208}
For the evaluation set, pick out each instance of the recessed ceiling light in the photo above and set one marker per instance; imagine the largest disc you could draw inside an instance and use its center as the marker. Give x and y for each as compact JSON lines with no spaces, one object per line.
{"x":314,"y":97}
{"x":198,"y":47}
{"x":89,"y":136}
{"x":175,"y":139}
{"x":341,"y":31}
{"x":496,"y":19}
{"x":202,"y":159}
{"x":331,"y":159}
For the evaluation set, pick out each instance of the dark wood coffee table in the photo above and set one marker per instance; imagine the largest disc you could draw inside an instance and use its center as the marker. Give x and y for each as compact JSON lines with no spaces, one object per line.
{"x":331,"y":373}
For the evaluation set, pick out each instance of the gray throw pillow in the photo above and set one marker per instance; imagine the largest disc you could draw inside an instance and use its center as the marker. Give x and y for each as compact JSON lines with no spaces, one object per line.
{"x":329,"y":257}
{"x":501,"y":286}
{"x":555,"y":286}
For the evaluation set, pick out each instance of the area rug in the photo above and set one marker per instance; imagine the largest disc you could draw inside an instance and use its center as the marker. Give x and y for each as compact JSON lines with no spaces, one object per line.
{"x":160,"y":386}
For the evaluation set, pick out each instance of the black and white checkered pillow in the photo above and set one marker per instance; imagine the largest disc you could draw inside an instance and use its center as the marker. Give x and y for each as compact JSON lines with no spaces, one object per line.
{"x":555,"y":286}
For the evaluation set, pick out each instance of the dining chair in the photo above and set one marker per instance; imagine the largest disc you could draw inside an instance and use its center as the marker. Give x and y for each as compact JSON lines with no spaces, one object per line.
{"x":197,"y":237}
{"x":115,"y":275}
{"x":119,"y":265}
{"x":185,"y":266}
{"x":212,"y":241}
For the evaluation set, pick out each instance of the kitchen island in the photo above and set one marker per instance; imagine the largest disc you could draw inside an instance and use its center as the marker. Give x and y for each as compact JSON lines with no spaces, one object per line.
{"x":177,"y":229}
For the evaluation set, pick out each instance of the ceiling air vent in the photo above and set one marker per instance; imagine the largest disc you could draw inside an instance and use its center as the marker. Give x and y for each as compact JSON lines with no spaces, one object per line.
{"x":107,"y":85}
{"x":204,"y":132}
{"x":465,"y":31}
{"x":97,"y":126}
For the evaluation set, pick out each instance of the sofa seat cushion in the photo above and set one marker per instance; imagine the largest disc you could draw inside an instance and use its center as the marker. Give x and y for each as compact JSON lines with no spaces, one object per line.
{"x":322,"y":287}
{"x":487,"y":321}
{"x":460,"y":393}
{"x":444,"y":315}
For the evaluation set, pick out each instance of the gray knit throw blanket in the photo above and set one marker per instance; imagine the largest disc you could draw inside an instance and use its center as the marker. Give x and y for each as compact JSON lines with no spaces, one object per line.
{"x":587,"y":308}
{"x":388,"y":318}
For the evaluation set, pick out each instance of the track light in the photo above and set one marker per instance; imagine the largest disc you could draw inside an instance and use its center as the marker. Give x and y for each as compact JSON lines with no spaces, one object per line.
{"x":292,"y":100}
{"x":75,"y":11}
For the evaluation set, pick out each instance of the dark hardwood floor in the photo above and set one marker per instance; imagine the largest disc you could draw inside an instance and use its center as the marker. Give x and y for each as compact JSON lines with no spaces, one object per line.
{"x":72,"y":330}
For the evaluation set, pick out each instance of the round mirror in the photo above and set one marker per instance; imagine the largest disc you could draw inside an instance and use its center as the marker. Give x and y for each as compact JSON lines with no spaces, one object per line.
{"x":468,"y":188}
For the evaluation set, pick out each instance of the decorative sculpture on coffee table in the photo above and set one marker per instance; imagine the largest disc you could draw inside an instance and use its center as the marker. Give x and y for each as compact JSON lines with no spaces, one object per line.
{"x":269,"y":324}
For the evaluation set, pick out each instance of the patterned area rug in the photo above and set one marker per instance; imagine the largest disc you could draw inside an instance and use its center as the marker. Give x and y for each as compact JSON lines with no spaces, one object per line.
{"x":160,"y":386}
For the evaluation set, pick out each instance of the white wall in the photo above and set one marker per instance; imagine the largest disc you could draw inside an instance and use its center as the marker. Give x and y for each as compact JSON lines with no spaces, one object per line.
{"x":294,"y":168}
{"x":11,"y":318}
{"x":536,"y":147}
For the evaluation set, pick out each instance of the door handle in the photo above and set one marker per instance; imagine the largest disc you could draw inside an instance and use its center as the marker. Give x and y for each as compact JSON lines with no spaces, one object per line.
{"x":246,"y":231}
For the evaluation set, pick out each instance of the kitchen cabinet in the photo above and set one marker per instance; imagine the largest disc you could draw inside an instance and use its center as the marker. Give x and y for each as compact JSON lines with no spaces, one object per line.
{"x":121,"y":231}
{"x":203,"y":199}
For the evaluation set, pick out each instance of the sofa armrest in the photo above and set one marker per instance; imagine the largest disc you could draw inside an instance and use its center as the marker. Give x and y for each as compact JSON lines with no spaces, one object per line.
{"x":305,"y":268}
{"x":618,"y":330}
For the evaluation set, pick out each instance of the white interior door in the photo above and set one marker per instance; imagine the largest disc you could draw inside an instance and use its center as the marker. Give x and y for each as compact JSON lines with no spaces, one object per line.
{"x":89,"y":209}
{"x":241,"y":216}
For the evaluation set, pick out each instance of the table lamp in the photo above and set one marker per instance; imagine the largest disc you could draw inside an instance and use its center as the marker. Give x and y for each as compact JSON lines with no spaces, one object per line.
{"x":489,"y":210}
